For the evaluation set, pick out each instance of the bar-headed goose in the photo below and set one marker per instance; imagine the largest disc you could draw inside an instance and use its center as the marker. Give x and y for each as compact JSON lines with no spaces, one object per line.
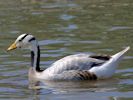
{"x":73,"y":67}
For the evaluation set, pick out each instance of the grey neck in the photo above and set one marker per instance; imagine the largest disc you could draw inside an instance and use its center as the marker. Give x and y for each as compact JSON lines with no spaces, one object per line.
{"x":35,"y":58}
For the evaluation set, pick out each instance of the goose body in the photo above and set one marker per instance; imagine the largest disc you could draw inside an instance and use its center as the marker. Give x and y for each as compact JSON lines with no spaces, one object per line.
{"x":73,"y":67}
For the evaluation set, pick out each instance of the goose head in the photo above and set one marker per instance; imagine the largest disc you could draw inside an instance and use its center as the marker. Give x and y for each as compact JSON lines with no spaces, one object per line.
{"x":24,"y":41}
{"x":28,"y":41}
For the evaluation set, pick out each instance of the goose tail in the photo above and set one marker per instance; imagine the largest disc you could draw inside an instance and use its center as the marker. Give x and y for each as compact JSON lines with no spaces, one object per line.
{"x":108,"y":68}
{"x":118,"y":56}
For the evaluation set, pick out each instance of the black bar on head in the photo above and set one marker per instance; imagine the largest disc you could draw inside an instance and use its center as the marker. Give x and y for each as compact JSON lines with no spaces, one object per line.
{"x":32,"y":39}
{"x":23,"y":37}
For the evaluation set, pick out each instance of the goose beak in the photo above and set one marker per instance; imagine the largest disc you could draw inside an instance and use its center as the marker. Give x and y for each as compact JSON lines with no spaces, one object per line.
{"x":13,"y":46}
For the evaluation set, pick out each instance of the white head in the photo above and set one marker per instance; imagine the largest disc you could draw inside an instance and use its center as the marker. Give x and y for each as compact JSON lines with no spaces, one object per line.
{"x":24,"y":41}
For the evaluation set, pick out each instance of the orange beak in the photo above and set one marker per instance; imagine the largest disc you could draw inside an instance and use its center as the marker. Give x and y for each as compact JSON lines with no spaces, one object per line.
{"x":12,"y":47}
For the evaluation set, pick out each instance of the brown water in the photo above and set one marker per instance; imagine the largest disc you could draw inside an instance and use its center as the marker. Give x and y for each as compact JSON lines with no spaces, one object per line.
{"x":66,"y":27}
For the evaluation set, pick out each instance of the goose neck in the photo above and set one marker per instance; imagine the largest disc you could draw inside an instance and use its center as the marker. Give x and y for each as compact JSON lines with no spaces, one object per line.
{"x":35,"y":57}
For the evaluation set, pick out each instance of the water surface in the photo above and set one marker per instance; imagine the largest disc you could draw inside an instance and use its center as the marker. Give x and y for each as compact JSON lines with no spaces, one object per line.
{"x":65,"y":27}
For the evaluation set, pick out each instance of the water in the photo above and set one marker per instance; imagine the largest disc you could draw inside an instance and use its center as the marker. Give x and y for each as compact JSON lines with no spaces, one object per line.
{"x":66,"y":27}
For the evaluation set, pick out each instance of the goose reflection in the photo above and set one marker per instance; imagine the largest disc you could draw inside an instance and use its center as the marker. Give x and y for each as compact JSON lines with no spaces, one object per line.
{"x":71,"y":86}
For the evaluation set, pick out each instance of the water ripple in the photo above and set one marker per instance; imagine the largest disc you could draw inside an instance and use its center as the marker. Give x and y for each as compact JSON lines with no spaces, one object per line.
{"x":119,"y":28}
{"x":48,"y":42}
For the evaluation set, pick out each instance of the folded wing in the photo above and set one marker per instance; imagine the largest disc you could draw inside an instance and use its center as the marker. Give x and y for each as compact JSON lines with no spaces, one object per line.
{"x":78,"y":62}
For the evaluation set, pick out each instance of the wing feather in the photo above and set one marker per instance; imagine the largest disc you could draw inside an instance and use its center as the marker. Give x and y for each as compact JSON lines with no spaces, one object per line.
{"x":75,"y":62}
{"x":76,"y":75}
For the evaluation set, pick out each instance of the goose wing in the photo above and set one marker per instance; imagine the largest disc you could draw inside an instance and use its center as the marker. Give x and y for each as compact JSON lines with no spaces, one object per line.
{"x":76,"y":62}
{"x":75,"y":75}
